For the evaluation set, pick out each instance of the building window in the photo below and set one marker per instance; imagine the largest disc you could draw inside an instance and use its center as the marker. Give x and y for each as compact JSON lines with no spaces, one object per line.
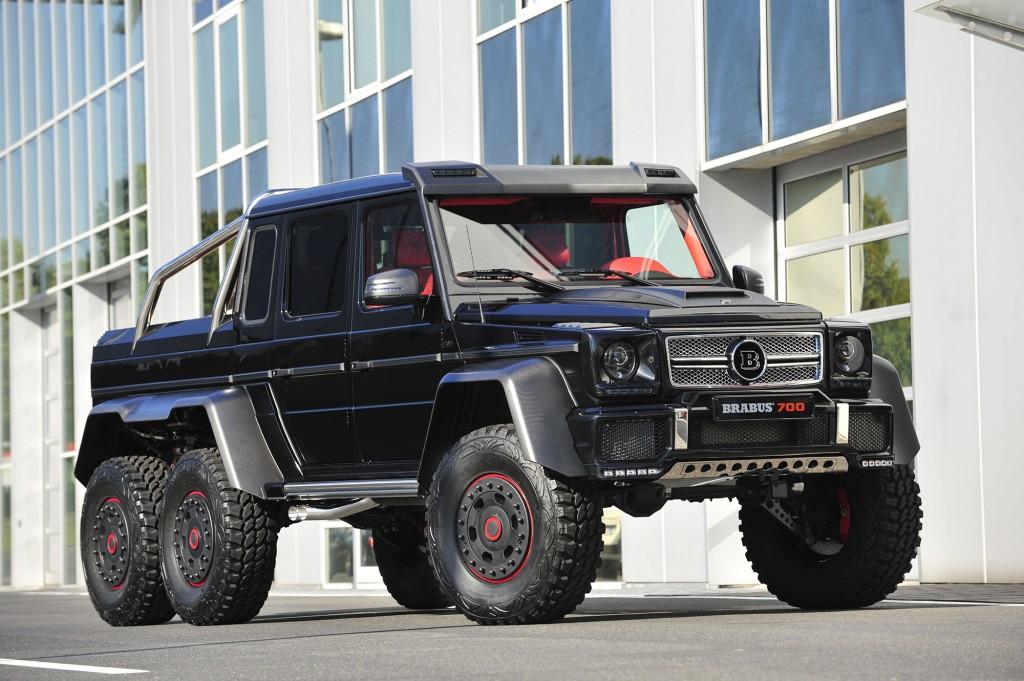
{"x":350,"y":560}
{"x":544,"y":74}
{"x":732,"y":41}
{"x":231,"y":120}
{"x":72,"y":142}
{"x":844,"y":237}
{"x":364,"y":92}
{"x":775,"y":69}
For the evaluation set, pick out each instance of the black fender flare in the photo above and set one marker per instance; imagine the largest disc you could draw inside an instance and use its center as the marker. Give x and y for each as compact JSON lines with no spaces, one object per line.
{"x":886,"y":386}
{"x":538,"y":399}
{"x":249,"y":463}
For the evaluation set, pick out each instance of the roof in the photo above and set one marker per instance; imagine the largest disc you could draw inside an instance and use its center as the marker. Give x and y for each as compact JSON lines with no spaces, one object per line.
{"x":287,"y":200}
{"x":458,"y":177}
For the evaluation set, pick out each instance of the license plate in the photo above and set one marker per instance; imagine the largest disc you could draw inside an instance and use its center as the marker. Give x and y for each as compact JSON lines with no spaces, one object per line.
{"x":753,"y":408}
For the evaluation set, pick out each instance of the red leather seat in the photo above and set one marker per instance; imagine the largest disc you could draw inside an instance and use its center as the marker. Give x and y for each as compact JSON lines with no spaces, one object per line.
{"x":411,"y":252}
{"x":550,"y":241}
{"x":636,"y":265}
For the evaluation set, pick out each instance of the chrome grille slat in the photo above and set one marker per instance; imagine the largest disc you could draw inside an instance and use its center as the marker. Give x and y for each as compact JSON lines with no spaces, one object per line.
{"x":699,"y":360}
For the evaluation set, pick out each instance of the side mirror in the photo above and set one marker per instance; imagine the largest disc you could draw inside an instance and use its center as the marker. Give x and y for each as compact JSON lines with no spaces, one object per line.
{"x":748,"y":279}
{"x":399,"y":286}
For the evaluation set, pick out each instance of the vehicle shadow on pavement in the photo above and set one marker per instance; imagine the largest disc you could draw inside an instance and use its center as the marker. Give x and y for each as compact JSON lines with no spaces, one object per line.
{"x":280,"y":617}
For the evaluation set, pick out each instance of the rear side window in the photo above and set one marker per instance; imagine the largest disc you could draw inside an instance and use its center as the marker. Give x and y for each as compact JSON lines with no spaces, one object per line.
{"x":260,"y":274}
{"x":317,"y":265}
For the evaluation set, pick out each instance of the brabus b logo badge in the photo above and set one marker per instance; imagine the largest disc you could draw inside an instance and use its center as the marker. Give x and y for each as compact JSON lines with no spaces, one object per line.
{"x":747,"y":360}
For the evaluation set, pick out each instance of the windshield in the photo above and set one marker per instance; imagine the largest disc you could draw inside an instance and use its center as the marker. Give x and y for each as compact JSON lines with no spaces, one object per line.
{"x":566,"y":239}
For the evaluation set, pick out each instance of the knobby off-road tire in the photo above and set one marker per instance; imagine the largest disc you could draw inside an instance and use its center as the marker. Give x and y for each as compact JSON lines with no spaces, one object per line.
{"x":401,"y":551}
{"x":119,"y":541}
{"x":549,"y":528}
{"x":218,"y":544}
{"x":882,"y":533}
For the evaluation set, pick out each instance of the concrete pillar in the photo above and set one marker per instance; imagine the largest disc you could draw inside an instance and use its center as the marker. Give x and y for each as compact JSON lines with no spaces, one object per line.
{"x":27,"y":465}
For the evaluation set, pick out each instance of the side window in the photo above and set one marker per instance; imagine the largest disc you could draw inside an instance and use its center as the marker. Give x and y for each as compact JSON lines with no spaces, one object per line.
{"x":316,"y":264}
{"x":394,"y":237}
{"x":259,"y":275}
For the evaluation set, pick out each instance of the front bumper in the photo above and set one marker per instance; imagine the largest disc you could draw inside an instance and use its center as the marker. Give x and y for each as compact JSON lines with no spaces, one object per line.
{"x":647,"y":442}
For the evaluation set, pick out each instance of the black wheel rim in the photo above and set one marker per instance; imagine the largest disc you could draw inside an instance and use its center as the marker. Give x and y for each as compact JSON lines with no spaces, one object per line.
{"x":110,"y":543}
{"x":193,"y":538}
{"x":494,"y":525}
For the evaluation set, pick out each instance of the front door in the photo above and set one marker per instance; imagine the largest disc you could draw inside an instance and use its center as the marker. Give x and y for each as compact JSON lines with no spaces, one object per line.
{"x":311,"y":382}
{"x":395,"y":349}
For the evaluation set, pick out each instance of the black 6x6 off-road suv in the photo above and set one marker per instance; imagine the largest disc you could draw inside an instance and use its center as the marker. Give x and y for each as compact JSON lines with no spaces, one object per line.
{"x":472,"y":362}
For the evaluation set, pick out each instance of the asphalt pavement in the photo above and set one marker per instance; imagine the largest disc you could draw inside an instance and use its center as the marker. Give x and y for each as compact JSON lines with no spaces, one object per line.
{"x":923,"y":632}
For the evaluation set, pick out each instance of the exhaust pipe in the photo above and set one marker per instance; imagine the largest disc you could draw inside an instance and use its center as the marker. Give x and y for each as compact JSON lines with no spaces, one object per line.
{"x":302,"y":512}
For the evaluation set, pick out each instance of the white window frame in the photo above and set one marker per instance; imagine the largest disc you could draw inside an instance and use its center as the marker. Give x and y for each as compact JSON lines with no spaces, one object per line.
{"x":840,"y":159}
{"x":353,"y":96}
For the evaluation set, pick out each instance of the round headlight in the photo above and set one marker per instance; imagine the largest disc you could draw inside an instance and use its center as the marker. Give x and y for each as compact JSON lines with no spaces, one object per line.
{"x":849,"y":354}
{"x":620,"y":361}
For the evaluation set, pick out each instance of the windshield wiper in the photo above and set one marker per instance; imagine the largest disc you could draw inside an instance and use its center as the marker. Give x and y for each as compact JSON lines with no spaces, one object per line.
{"x":599,"y":270}
{"x":504,"y":274}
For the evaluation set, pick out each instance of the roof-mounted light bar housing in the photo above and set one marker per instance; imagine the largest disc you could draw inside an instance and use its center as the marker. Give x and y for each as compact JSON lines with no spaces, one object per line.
{"x":459,"y":177}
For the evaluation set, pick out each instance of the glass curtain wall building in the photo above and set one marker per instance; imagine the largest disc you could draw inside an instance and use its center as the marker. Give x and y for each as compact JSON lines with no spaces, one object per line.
{"x":73,"y":208}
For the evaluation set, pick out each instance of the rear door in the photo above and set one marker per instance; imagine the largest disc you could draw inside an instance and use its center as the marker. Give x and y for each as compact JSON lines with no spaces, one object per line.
{"x":310,"y":379}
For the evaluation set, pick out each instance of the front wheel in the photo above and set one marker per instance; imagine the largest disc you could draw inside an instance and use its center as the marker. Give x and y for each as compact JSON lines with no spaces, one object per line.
{"x":218,"y":545}
{"x":850,"y":541}
{"x":510,"y":542}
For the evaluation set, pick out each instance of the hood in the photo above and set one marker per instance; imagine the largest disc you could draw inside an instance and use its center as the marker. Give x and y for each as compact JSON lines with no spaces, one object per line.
{"x":653,"y":306}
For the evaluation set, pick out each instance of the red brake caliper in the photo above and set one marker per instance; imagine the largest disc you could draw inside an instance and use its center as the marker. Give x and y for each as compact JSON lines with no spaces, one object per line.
{"x":844,"y":513}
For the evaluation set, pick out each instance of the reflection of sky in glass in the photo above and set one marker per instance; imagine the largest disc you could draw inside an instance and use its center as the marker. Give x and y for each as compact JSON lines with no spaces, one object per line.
{"x":47,"y":191}
{"x":398,"y":125}
{"x":46,"y":61}
{"x":79,"y":132}
{"x":14,"y":66}
{"x":364,"y":138}
{"x":542,"y":84}
{"x":230,"y":111}
{"x":364,"y":45}
{"x":395,"y":25}
{"x":498,"y":99}
{"x":871,"y":59}
{"x":493,"y":13}
{"x":591,"y":68}
{"x":97,"y":41}
{"x":256,"y":166}
{"x":332,"y":51}
{"x":733,"y":39}
{"x":334,"y":148}
{"x":119,"y":146}
{"x":800,"y":96}
{"x":28,"y":66}
{"x":100,"y":179}
{"x":63,"y":196}
{"x":206,"y":101}
{"x":255,"y":77}
{"x":231,"y":191}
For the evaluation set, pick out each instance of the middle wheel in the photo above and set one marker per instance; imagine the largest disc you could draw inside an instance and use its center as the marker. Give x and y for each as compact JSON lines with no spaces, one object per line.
{"x":218,"y":545}
{"x":510,"y":543}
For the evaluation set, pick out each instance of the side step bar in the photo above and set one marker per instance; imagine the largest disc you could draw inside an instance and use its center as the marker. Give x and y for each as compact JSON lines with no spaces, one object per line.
{"x":352,"y":489}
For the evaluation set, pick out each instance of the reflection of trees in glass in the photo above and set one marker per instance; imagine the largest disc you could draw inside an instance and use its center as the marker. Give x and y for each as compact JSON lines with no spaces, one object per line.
{"x":339,"y":552}
{"x":892,"y":340}
{"x":884,"y":284}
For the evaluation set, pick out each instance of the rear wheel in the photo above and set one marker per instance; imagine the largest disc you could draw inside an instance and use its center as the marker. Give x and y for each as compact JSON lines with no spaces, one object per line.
{"x":218,"y":544}
{"x":850,"y":542}
{"x":120,"y":555}
{"x":401,"y":551}
{"x":510,"y":542}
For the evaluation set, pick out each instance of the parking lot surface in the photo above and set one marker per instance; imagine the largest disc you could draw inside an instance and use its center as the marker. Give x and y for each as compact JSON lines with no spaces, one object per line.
{"x":924,"y":632}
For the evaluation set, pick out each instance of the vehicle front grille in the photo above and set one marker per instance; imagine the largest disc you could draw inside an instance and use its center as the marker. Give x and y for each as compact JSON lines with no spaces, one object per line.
{"x":705,"y":432}
{"x":869,"y":430}
{"x":701,"y":360}
{"x":641,"y":439}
